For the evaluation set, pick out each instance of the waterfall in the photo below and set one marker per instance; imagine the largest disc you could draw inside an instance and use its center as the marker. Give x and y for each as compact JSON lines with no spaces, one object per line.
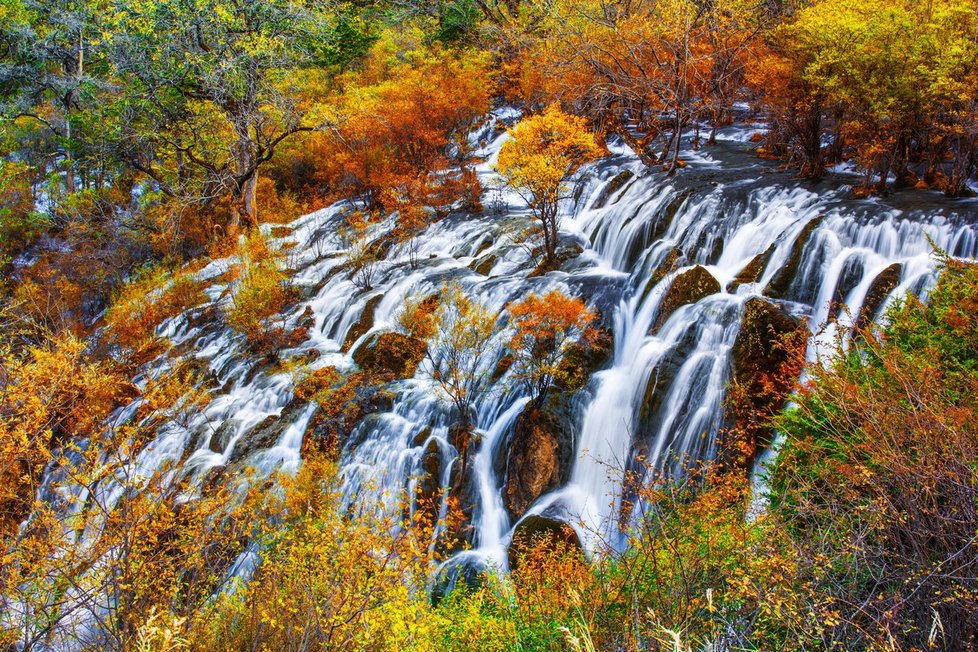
{"x":722,"y":213}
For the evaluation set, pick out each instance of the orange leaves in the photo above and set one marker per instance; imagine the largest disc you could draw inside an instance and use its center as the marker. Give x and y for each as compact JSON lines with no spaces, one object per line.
{"x":544,"y":327}
{"x":143,"y":304}
{"x":52,"y":394}
{"x":260,"y":293}
{"x":398,"y":119}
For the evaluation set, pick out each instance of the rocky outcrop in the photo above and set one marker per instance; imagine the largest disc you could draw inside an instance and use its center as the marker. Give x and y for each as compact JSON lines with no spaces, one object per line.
{"x":781,"y":283}
{"x":689,"y":287}
{"x":849,"y":278}
{"x":581,"y":362}
{"x":753,"y":271}
{"x":534,"y":463}
{"x":881,"y":287}
{"x":666,"y":267}
{"x":612,"y":188}
{"x":362,"y":325}
{"x":534,"y":531}
{"x":768,"y":355}
{"x":390,"y":353}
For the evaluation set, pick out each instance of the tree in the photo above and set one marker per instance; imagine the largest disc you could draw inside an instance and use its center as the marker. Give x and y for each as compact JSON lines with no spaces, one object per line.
{"x":544,"y":328}
{"x":541,"y":155}
{"x":53,"y":67}
{"x":460,"y":350}
{"x":643,"y":70}
{"x":897,"y":82}
{"x":213,"y":87}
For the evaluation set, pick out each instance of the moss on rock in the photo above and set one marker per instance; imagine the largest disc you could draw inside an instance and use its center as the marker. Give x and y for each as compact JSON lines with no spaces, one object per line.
{"x":884,"y":283}
{"x":391,"y":353}
{"x":781,"y":283}
{"x":617,"y":183}
{"x":753,"y":271}
{"x":363,"y":324}
{"x":534,"y":531}
{"x":689,"y":287}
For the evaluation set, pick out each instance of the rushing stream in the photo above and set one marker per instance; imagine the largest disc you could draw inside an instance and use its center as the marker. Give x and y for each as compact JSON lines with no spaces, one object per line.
{"x":722,"y":212}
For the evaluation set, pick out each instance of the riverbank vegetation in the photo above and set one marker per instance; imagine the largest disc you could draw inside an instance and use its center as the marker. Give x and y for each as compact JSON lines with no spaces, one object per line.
{"x":867,"y":540}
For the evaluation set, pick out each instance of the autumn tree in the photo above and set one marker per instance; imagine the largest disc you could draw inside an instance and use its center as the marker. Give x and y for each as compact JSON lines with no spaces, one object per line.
{"x":213,"y":88}
{"x":544,"y":328}
{"x":645,"y":71}
{"x":460,"y":350}
{"x":542,"y":153}
{"x":890,"y":86}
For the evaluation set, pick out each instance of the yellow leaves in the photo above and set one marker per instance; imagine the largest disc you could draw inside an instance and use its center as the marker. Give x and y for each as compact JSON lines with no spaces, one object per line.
{"x":544,"y":150}
{"x":259,"y":293}
{"x":143,"y":304}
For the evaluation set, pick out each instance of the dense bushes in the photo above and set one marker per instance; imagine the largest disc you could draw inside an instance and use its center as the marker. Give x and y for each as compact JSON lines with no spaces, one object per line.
{"x":877,"y":481}
{"x":259,"y":291}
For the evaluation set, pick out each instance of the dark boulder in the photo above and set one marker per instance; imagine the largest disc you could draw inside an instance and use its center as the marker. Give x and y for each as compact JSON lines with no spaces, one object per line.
{"x":466,"y":570}
{"x":688,"y":287}
{"x":753,"y":271}
{"x":427,"y":495}
{"x":363,"y":324}
{"x":666,"y":267}
{"x":849,"y":278}
{"x":781,"y":283}
{"x":612,"y":187}
{"x":533,"y":465}
{"x":768,"y":355}
{"x":582,"y":361}
{"x":881,"y":287}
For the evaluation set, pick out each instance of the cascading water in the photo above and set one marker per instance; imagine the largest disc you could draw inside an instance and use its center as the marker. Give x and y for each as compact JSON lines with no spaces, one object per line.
{"x":814,"y":249}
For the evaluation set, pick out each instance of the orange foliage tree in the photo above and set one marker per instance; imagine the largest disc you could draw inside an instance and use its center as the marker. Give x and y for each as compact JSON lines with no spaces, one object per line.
{"x":644,"y":70}
{"x":544,"y":327}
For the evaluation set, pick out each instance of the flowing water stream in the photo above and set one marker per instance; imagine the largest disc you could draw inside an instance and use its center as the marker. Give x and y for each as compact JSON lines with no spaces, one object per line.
{"x":722,"y":212}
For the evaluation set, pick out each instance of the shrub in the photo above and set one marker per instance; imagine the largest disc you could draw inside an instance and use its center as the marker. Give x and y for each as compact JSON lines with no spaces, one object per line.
{"x":143,"y":304}
{"x":259,"y":292}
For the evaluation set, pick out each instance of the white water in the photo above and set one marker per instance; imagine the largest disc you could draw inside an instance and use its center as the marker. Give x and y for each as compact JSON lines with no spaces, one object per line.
{"x":718,"y":220}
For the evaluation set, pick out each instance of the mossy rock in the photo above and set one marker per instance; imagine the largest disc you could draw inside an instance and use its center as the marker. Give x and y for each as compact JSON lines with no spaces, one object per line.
{"x":667,"y":266}
{"x":484,"y":266}
{"x":761,"y":327}
{"x":581,"y":362}
{"x":612,"y":187}
{"x":660,"y":382}
{"x":392,"y":353}
{"x":781,"y":283}
{"x":426,"y":496}
{"x":767,"y":356}
{"x":536,"y":530}
{"x":881,"y":287}
{"x":850,"y":276}
{"x":363,"y":324}
{"x":753,"y":271}
{"x":689,"y":287}
{"x":267,"y":433}
{"x":566,"y":251}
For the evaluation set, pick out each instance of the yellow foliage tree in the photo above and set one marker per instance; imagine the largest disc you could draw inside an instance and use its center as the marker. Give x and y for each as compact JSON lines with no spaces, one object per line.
{"x":541,"y":155}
